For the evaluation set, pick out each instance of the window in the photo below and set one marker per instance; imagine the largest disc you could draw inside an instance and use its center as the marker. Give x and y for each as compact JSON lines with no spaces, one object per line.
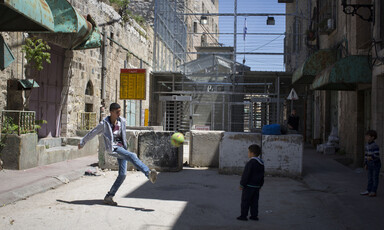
{"x":89,"y":89}
{"x":296,"y":36}
{"x":213,"y":2}
{"x":327,"y":15}
{"x":381,"y":24}
{"x":194,"y":27}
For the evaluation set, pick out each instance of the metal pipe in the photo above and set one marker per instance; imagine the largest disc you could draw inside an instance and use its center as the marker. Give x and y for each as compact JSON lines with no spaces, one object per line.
{"x":103,"y":74}
{"x":234,"y":53}
{"x":238,"y":14}
{"x":213,"y":83}
{"x":141,"y":101}
{"x":125,"y":101}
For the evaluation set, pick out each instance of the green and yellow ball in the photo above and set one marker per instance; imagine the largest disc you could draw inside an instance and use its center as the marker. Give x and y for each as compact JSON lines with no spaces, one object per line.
{"x":177,"y":139}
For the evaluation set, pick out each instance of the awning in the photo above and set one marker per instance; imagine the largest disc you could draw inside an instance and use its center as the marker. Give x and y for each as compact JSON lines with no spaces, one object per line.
{"x":66,"y":27}
{"x":345,"y":74}
{"x":81,"y":32}
{"x":316,"y":63}
{"x":6,"y":56}
{"x":21,"y":15}
{"x":28,"y":84}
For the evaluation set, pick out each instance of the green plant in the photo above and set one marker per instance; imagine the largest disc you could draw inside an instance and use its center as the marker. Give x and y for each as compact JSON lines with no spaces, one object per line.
{"x":36,"y":52}
{"x":121,"y":6}
{"x":38,"y":123}
{"x":8,"y":127}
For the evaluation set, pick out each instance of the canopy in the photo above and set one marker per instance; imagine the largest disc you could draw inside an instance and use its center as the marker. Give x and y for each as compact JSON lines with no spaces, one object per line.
{"x":345,"y":74}
{"x":316,"y":63}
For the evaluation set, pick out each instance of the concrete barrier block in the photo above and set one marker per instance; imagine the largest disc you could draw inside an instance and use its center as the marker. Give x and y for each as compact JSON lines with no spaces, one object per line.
{"x":20,"y":152}
{"x":156,"y":151}
{"x":107,"y":161}
{"x":283,"y":154}
{"x":204,"y":148}
{"x":234,"y":151}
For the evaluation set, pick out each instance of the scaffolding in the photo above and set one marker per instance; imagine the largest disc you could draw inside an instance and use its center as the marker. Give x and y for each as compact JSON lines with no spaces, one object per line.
{"x":214,"y":91}
{"x":170,"y":39}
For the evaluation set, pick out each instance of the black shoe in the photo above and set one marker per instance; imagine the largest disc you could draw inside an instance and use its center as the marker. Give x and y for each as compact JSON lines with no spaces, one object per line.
{"x":254,"y":218}
{"x":242,"y":218}
{"x":109,"y":200}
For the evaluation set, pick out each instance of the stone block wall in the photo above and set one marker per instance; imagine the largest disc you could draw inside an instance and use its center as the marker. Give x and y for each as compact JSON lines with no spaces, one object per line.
{"x":14,"y":71}
{"x":234,"y":151}
{"x":83,"y":66}
{"x":155,"y":150}
{"x":204,"y":148}
{"x":19,"y":152}
{"x":283,"y":154}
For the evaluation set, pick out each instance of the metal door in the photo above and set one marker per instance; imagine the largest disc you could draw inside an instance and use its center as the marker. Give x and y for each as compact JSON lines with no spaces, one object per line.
{"x":45,"y":100}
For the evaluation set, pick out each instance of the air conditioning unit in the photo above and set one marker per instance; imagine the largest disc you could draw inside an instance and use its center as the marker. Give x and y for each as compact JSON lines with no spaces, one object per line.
{"x":285,"y":1}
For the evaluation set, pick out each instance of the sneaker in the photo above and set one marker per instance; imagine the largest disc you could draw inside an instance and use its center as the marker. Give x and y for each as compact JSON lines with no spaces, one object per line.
{"x":152,"y":176}
{"x":372,"y":194}
{"x":365,"y":193}
{"x":242,"y":218}
{"x":254,"y":218}
{"x":109,"y":200}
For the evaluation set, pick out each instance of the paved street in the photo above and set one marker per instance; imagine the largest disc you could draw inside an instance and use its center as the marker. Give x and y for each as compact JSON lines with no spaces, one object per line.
{"x":327,"y":198}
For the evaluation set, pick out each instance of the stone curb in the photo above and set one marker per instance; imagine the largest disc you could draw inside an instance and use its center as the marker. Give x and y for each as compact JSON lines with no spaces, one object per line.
{"x":39,"y":187}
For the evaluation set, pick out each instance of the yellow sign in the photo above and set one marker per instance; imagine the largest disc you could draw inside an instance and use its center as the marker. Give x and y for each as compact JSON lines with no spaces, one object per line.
{"x":132,"y":84}
{"x":146,"y":117}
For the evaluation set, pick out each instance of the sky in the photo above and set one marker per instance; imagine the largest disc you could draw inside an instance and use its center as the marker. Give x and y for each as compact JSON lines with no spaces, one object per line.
{"x":255,"y":24}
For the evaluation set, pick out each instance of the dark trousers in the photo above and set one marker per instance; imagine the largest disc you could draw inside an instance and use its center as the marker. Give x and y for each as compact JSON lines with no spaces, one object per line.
{"x":373,"y":175}
{"x":250,"y":201}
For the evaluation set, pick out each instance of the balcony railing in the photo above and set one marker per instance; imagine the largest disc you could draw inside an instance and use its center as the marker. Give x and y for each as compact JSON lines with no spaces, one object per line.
{"x":86,"y":120}
{"x":17,"y":121}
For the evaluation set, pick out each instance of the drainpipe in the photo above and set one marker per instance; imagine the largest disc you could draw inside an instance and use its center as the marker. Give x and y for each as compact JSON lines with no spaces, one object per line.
{"x":141,"y":101}
{"x":103,"y":74}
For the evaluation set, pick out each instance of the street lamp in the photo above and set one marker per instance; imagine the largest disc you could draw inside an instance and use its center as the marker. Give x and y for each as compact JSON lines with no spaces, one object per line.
{"x":354,"y":8}
{"x":270,"y":21}
{"x":203,"y":20}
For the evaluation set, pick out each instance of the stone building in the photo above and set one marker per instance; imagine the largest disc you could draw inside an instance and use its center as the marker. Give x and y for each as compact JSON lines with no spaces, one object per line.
{"x":78,"y":81}
{"x":377,"y":116}
{"x":200,"y":34}
{"x":336,"y":72}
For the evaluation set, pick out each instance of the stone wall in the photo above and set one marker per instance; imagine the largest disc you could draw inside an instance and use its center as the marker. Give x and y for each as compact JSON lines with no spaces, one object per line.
{"x":234,"y":151}
{"x":13,"y":72}
{"x":283,"y":154}
{"x":84,"y":66}
{"x":204,"y":148}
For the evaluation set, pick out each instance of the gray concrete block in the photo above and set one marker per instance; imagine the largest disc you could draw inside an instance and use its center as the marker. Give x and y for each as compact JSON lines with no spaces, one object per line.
{"x":234,"y":151}
{"x":50,"y":142}
{"x":20,"y":152}
{"x":156,"y":151}
{"x":204,"y":148}
{"x":283,"y":154}
{"x":73,"y":140}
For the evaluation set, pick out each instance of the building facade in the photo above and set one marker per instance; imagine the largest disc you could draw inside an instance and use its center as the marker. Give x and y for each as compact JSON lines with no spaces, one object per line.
{"x":81,"y":81}
{"x":337,"y":72}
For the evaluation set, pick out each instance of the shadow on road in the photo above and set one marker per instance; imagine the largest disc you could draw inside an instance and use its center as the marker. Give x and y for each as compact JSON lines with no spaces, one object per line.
{"x":100,"y":202}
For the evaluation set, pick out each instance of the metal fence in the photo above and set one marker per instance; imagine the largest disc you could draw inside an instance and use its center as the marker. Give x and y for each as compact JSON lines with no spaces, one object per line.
{"x":16,"y":121}
{"x":86,"y":120}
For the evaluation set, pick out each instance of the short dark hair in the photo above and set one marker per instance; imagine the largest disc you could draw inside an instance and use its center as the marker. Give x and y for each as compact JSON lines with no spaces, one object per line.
{"x":371,"y":133}
{"x":255,"y":149}
{"x":114,"y":106}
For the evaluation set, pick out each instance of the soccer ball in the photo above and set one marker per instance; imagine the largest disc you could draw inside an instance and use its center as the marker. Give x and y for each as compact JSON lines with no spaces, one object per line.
{"x":177,"y":139}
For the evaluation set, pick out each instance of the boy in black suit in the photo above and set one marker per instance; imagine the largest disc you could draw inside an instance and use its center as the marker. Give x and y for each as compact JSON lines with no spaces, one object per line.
{"x":251,"y":182}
